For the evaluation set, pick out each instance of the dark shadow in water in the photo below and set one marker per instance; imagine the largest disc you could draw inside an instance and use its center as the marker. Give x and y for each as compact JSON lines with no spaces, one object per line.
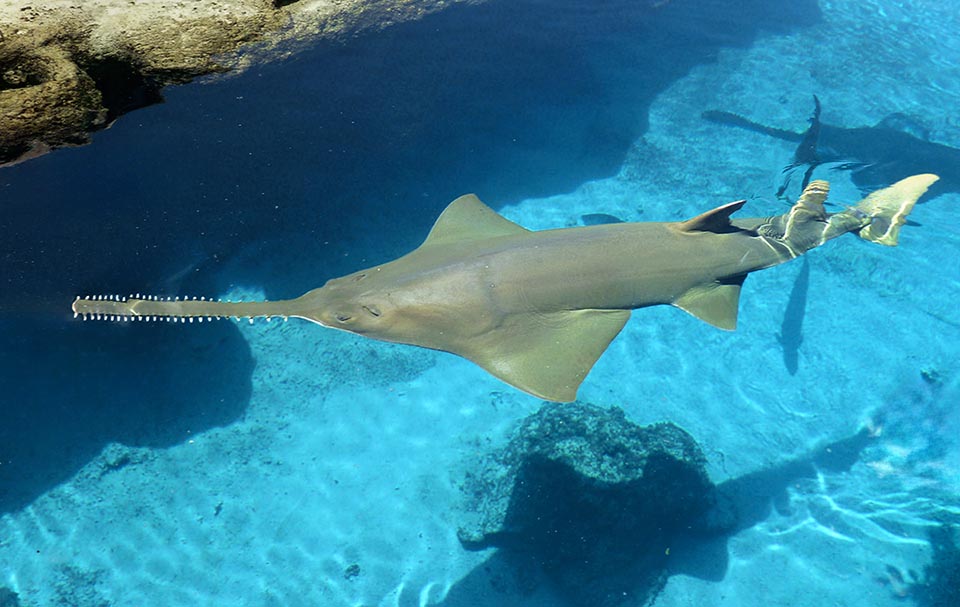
{"x":791,"y":329}
{"x":509,"y":577}
{"x":748,"y":500}
{"x":308,"y":168}
{"x":98,"y":383}
{"x":896,"y":147}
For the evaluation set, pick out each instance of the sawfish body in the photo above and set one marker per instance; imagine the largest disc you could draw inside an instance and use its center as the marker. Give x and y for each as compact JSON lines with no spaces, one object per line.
{"x":537,"y":309}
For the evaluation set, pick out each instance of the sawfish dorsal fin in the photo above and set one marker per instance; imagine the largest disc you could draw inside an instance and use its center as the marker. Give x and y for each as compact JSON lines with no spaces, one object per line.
{"x":716,"y":303}
{"x":466,"y":219}
{"x":715,"y":220}
{"x":546,"y":355}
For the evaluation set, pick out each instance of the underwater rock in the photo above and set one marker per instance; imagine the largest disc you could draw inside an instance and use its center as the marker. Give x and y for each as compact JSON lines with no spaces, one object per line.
{"x":67,"y":69}
{"x":594,"y":500}
{"x":940,"y":586}
{"x":8,"y":598}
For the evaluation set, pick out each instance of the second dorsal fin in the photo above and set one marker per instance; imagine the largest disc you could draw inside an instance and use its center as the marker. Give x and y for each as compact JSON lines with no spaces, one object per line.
{"x":715,"y":220}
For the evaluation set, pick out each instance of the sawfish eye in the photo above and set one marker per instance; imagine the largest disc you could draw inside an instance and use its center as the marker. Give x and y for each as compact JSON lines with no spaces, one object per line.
{"x":359,"y":277}
{"x":342,"y":317}
{"x":372,"y":311}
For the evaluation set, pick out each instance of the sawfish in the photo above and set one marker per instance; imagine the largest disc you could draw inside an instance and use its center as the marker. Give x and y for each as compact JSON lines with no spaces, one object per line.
{"x":538,"y":308}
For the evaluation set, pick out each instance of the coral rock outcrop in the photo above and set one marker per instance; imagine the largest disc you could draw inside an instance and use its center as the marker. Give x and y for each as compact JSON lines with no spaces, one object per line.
{"x":593,"y":499}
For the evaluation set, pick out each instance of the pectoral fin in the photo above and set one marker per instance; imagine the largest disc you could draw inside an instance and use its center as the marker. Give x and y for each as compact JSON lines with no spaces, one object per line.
{"x":547,"y":355}
{"x":715,"y":303}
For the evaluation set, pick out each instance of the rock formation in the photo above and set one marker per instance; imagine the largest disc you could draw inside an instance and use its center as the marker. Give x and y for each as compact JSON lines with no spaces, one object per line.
{"x":592,"y":498}
{"x":69,"y":68}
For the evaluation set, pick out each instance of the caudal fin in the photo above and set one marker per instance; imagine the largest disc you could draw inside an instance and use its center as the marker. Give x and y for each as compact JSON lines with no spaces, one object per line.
{"x":888,"y":208}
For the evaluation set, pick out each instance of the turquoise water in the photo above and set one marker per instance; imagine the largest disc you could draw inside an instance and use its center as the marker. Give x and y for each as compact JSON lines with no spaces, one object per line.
{"x":229,"y":464}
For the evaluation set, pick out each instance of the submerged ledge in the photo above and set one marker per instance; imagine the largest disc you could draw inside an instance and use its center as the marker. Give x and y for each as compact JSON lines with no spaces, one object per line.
{"x":70,"y":68}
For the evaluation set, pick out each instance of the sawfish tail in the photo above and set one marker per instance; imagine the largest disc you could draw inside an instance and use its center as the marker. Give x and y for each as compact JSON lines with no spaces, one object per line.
{"x":807,"y":225}
{"x":888,"y":208}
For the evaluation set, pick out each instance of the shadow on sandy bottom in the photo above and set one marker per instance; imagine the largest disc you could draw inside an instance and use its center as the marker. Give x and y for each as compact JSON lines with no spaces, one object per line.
{"x":97,"y":383}
{"x":514,"y":576}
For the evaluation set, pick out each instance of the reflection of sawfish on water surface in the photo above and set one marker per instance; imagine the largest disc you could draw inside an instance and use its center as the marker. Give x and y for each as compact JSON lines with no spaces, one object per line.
{"x":537,"y":309}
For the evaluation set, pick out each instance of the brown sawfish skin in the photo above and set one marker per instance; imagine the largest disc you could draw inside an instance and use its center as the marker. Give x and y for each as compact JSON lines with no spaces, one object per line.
{"x":537,"y":309}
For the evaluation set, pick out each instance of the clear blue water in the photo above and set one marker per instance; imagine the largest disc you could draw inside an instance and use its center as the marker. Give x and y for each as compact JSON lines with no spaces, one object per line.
{"x":252,"y":465}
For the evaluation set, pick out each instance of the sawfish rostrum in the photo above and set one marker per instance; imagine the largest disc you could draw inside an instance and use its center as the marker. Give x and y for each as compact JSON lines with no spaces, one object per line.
{"x":537,"y":309}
